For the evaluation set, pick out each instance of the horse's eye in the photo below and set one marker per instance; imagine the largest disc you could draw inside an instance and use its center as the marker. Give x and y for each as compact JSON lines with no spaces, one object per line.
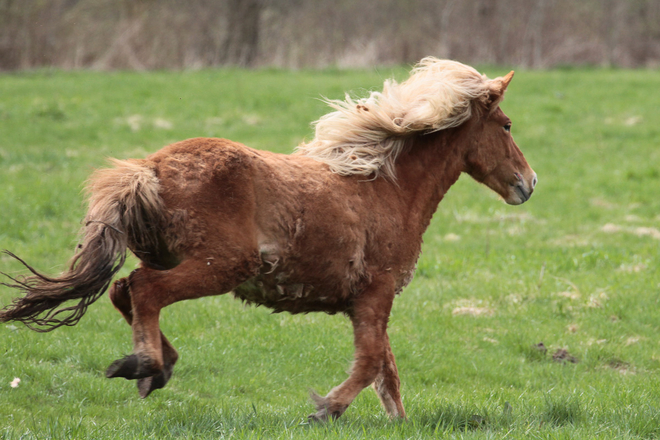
{"x":507,"y":128}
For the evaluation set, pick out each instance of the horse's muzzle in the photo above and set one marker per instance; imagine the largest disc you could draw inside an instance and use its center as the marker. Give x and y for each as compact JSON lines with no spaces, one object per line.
{"x":523,"y":193}
{"x":522,"y":190}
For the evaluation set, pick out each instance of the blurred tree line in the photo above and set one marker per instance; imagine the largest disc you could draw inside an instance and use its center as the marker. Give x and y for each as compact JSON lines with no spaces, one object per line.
{"x":156,"y":34}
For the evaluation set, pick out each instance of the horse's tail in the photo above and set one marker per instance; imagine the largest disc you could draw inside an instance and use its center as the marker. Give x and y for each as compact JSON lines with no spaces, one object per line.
{"x":125,"y":209}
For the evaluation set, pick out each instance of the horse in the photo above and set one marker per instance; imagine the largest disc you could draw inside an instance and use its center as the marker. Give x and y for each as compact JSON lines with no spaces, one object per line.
{"x":335,"y":227}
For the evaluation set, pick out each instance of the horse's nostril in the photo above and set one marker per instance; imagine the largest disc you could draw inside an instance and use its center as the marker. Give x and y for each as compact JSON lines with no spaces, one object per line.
{"x":534,"y":181}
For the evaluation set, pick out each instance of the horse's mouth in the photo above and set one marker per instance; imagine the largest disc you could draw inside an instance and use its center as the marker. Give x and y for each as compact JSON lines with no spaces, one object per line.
{"x":522,"y":189}
{"x":518,"y":194}
{"x":523,"y":193}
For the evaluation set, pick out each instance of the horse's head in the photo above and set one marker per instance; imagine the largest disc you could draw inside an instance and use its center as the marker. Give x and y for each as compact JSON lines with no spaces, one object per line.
{"x":493,"y":158}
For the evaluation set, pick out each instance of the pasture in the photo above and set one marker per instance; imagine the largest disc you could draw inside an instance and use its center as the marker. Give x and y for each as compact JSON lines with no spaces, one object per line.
{"x":576,"y":268}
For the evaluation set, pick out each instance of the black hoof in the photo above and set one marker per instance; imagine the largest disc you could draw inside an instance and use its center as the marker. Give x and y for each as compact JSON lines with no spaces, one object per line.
{"x":148,"y":384}
{"x":132,"y":367}
{"x":125,"y":367}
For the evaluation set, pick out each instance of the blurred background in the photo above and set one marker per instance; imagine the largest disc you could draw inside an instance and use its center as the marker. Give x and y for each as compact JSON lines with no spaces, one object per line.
{"x":176,"y":34}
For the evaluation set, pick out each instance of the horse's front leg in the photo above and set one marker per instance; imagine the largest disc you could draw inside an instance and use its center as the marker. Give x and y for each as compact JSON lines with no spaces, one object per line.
{"x":387,"y":385}
{"x":369,"y":315}
{"x":120,"y":296}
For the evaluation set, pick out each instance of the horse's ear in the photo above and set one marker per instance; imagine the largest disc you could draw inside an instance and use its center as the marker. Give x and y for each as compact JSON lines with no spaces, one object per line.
{"x":506,"y":80}
{"x":497,"y":88}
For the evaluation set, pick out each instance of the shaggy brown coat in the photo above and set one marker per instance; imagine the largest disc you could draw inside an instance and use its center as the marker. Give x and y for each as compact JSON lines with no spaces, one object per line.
{"x":210,"y":216}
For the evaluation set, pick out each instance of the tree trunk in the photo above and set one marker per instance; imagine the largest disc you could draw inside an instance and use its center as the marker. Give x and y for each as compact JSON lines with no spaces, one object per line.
{"x":241,"y":42}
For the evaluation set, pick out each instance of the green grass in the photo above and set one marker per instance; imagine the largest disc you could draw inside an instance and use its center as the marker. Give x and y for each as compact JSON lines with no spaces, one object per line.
{"x":576,"y":268}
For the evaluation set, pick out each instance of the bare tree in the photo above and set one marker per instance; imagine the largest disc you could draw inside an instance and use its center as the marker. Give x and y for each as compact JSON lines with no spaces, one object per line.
{"x":241,"y":42}
{"x":158,"y":34}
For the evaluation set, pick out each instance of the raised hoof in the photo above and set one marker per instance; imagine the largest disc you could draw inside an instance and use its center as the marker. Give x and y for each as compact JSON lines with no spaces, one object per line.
{"x":130,"y":367}
{"x":125,"y":367}
{"x":148,"y":384}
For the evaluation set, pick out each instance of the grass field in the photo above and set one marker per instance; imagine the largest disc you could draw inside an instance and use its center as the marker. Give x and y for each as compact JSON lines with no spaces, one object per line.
{"x":575,"y":268}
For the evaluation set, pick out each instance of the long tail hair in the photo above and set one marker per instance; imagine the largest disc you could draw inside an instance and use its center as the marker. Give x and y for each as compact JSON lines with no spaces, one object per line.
{"x":125,"y":209}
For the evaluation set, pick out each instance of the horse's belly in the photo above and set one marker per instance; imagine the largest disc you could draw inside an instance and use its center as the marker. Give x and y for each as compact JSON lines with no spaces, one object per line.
{"x":292,"y":297}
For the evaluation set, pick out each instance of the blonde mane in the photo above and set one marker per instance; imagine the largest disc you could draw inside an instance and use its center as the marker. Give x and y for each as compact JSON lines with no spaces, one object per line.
{"x":365,"y":136}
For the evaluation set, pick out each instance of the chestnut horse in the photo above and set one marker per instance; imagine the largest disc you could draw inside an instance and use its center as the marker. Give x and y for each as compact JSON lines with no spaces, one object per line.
{"x":335,"y":227}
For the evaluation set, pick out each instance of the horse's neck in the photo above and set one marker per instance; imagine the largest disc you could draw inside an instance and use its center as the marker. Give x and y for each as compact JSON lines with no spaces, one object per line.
{"x":428,"y":168}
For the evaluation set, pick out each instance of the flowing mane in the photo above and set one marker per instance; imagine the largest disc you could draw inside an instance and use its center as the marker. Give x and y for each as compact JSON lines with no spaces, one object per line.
{"x":365,"y":136}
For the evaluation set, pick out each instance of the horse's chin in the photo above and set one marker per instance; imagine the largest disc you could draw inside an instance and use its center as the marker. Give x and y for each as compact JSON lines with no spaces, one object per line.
{"x":518,"y":195}
{"x":515,"y":200}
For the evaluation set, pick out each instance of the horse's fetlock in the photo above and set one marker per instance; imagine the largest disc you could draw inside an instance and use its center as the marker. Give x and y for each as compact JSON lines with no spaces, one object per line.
{"x":148,"y":365}
{"x":328,"y":406}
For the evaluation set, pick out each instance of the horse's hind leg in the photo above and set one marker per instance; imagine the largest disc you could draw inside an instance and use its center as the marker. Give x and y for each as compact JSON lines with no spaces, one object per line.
{"x":120,"y":296}
{"x":387,"y":385}
{"x":369,"y":315}
{"x":151,"y":290}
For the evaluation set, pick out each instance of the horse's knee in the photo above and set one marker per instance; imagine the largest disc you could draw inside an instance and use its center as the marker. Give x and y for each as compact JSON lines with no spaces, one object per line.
{"x":366,"y":371}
